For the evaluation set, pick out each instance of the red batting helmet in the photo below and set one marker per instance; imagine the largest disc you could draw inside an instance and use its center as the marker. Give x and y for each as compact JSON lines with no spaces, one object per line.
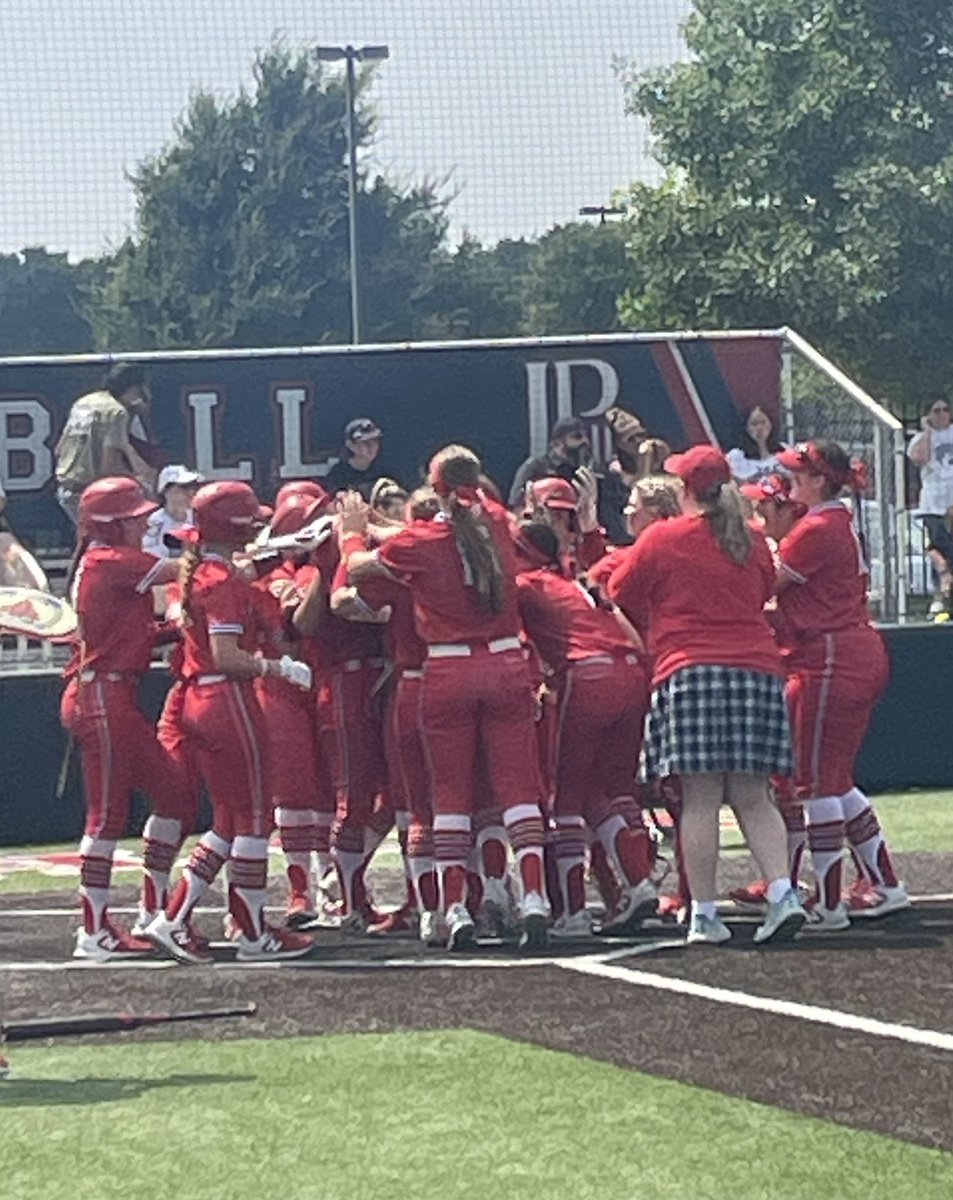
{"x":227,"y":511}
{"x":294,"y":512}
{"x":302,"y":487}
{"x":552,"y":493}
{"x":115,"y":498}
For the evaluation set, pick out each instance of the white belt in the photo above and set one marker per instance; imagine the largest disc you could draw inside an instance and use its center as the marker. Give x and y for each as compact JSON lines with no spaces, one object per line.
{"x":605,"y":660}
{"x":203,"y":679}
{"x":109,"y":676}
{"x":412,"y":673}
{"x":464,"y":649}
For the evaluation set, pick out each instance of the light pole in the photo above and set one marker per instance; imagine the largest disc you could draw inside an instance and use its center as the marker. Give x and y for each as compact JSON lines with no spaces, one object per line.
{"x":350,"y":55}
{"x":601,"y":211}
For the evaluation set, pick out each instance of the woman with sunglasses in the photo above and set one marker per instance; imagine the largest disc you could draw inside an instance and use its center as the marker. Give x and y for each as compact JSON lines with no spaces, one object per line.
{"x":837,"y":669}
{"x":931,"y":450}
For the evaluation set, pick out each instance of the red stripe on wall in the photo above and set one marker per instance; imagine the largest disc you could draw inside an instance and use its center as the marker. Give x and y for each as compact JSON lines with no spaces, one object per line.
{"x":693,"y":429}
{"x":751,"y":370}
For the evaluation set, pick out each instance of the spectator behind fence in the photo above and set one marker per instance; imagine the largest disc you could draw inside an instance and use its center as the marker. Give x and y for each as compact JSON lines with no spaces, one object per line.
{"x":931,"y":450}
{"x":635,"y":456}
{"x":96,"y":442}
{"x":360,"y":465}
{"x":175,"y":488}
{"x":569,"y":450}
{"x":756,"y":457}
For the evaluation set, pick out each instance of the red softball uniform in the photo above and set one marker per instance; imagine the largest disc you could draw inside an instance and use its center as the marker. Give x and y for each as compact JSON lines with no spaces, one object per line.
{"x":113,"y":598}
{"x":602,"y":689}
{"x":600,"y":571}
{"x":476,"y":696}
{"x":288,"y":711}
{"x":837,"y":662}
{"x":695,"y":604}
{"x":221,"y":716}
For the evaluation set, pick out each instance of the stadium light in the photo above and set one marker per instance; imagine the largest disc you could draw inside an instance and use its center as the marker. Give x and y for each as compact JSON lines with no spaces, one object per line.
{"x":350,"y":55}
{"x":601,"y":211}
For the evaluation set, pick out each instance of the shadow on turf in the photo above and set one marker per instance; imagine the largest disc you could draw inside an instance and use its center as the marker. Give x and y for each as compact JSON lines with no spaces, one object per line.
{"x":35,"y":1093}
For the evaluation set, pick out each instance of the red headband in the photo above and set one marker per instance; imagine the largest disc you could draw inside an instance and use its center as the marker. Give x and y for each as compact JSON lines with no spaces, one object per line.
{"x":806,"y":457}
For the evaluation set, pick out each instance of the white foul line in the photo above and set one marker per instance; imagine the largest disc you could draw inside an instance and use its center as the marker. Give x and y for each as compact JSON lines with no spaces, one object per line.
{"x":764,"y":1004}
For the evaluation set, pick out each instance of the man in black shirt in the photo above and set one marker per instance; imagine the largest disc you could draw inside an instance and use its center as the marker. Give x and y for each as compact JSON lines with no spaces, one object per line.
{"x":359,"y":467}
{"x":568,"y":450}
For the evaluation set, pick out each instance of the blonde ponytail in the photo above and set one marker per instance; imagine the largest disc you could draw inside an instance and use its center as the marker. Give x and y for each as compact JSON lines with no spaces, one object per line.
{"x":723,"y":506}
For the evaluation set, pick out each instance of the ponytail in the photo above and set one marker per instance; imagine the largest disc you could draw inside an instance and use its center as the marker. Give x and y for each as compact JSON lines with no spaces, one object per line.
{"x":191,"y":557}
{"x":455,"y":475}
{"x":723,"y":507}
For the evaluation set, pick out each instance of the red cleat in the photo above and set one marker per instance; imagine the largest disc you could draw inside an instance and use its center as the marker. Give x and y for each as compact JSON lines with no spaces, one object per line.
{"x":401,"y":920}
{"x":754,"y":896}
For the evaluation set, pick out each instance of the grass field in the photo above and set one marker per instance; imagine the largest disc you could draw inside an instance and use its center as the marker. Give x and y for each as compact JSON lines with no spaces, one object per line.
{"x":920,"y":820}
{"x":422,"y":1116}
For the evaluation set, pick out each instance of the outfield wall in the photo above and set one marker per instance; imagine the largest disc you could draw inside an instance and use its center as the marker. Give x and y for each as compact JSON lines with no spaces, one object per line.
{"x":908,"y":744}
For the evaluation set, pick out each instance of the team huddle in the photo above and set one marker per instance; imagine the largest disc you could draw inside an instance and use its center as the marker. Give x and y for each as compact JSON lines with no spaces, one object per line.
{"x":504,"y":687}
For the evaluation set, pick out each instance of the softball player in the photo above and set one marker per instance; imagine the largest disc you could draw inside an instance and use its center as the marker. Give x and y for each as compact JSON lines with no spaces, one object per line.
{"x":223,"y":722}
{"x":837,"y":669}
{"x":112,"y":594}
{"x":476,"y":692}
{"x":699,"y":584}
{"x":602,"y":694}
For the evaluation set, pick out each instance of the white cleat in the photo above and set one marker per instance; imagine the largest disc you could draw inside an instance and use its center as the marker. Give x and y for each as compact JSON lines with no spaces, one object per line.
{"x":461,"y":932}
{"x":577,"y":925}
{"x":433,"y":929}
{"x":707,"y":931}
{"x":109,"y":944}
{"x":783,"y":920}
{"x":636,"y":904}
{"x":534,"y":914}
{"x":877,"y":901}
{"x":274,"y":945}
{"x":827,"y":920}
{"x":497,"y":908}
{"x":177,"y":941}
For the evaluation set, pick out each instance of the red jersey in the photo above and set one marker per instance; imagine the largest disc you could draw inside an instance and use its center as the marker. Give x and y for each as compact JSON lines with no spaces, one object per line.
{"x":268,"y":591}
{"x":404,"y":644}
{"x":112,"y":594}
{"x":563,"y":621}
{"x":336,"y":641}
{"x":823,"y":555}
{"x":695,"y":604}
{"x":446,"y":604}
{"x":221,"y":602}
{"x":600,"y":570}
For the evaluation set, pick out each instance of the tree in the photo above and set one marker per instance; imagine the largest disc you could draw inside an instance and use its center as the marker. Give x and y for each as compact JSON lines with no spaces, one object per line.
{"x":575,"y":280}
{"x":809,"y":154}
{"x":241,"y":230}
{"x":41,"y":297}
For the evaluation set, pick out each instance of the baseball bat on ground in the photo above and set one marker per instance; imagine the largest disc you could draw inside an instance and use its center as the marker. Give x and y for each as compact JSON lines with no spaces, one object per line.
{"x":46,"y":1027}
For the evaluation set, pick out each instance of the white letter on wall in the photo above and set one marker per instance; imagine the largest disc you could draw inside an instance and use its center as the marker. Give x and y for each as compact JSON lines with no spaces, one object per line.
{"x":203,"y":405}
{"x":32,"y":444}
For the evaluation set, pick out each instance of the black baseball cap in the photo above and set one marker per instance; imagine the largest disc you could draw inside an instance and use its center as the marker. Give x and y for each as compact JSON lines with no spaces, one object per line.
{"x":567,"y":426}
{"x":361,"y":429}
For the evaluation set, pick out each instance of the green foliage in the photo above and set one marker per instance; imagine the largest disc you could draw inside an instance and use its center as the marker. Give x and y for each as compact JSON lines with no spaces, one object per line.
{"x":40,"y":302}
{"x":809,"y":154}
{"x":575,"y":279}
{"x":241,"y":233}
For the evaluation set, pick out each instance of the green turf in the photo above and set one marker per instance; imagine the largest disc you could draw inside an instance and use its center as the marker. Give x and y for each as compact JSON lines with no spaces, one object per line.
{"x":920,"y":820}
{"x":431,"y":1116}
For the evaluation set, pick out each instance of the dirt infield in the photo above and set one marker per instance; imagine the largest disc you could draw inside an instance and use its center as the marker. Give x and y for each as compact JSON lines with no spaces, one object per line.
{"x":840,"y":1051}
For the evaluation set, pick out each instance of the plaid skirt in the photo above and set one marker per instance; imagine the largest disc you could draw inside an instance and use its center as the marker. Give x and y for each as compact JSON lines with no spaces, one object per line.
{"x":706,"y":719}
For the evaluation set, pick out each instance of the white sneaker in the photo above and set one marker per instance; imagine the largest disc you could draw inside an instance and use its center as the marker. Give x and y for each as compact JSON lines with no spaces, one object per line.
{"x":707,"y":931}
{"x":273,"y":945}
{"x":635,"y":905}
{"x":877,"y":901}
{"x":433,"y":929}
{"x":827,"y":920}
{"x":534,"y":914}
{"x":143,"y":921}
{"x":497,"y":906}
{"x":109,"y":944}
{"x":575,"y":925}
{"x":783,"y":920}
{"x":461,"y":932}
{"x":936,"y":606}
{"x":176,"y":940}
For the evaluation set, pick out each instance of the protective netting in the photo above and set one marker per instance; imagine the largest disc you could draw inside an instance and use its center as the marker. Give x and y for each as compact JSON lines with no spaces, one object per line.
{"x":818,"y":406}
{"x":518,"y":107}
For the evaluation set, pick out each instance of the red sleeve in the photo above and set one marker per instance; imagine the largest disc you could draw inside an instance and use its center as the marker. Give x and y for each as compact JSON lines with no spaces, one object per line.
{"x":378,"y":590}
{"x":136,"y":569}
{"x":226,"y":606}
{"x":600,"y":570}
{"x":630,"y":583}
{"x":403,"y":554}
{"x":591,"y":547}
{"x":803,"y":551}
{"x":765,"y":563}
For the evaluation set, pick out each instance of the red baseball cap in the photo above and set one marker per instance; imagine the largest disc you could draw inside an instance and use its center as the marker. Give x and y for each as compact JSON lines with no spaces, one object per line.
{"x":554,"y":493}
{"x":699,"y":467}
{"x":770,"y":487}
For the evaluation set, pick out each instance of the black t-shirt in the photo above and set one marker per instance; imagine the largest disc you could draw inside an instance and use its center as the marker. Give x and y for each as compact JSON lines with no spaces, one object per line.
{"x":344,"y":477}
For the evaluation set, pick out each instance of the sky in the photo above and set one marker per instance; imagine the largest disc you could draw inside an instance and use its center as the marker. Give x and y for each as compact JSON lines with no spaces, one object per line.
{"x":515,"y":103}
